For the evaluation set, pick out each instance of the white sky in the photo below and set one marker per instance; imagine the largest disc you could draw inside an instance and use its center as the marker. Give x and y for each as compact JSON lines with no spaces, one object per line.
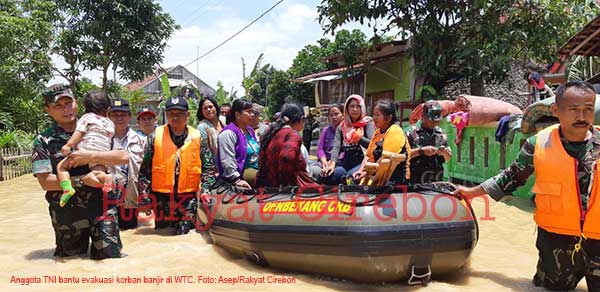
{"x":206,"y":23}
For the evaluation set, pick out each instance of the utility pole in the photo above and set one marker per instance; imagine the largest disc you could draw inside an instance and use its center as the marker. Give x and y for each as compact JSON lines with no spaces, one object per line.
{"x":197,"y":61}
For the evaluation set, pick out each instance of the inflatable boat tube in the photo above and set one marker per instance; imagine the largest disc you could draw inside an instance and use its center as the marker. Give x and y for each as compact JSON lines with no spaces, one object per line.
{"x":357,"y":233}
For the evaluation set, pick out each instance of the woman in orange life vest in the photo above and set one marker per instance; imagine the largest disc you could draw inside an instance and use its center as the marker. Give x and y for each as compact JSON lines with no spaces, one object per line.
{"x":237,"y":158}
{"x":387,"y":137}
{"x":565,"y":160}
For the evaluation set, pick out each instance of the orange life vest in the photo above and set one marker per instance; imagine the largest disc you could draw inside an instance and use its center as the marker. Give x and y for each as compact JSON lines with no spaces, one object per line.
{"x":556,"y":188}
{"x":163,"y":162}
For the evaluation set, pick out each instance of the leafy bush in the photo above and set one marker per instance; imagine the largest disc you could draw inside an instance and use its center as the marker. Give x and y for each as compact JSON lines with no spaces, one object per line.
{"x":16,"y":139}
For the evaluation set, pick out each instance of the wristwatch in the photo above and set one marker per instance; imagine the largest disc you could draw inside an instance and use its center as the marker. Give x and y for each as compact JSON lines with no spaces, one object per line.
{"x":77,"y":182}
{"x":421,"y":152}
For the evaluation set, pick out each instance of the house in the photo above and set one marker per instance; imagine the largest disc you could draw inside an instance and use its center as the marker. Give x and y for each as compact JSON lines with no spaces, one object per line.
{"x":385,"y":72}
{"x":179,"y":77}
{"x":585,"y":43}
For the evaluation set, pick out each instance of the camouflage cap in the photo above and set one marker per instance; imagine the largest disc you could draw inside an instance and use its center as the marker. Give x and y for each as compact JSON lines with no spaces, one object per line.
{"x":432,"y":110}
{"x":56,"y":92}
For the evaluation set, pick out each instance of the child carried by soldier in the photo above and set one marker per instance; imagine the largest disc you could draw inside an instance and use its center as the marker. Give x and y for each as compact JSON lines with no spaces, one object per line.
{"x":94,"y":131}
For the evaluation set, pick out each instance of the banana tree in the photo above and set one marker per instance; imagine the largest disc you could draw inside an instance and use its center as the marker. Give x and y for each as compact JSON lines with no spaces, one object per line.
{"x":250,"y":82}
{"x":583,"y":68}
{"x":168,"y":93}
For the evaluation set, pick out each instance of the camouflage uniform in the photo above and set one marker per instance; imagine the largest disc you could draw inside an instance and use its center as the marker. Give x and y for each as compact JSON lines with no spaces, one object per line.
{"x":173,"y":209}
{"x":83,"y":216}
{"x":166,"y":211}
{"x":557,"y":268}
{"x":424,"y":169}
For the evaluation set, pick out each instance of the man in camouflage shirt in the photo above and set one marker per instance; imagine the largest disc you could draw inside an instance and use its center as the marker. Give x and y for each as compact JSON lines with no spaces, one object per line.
{"x":85,"y":216}
{"x":429,"y":146}
{"x":564,"y":259}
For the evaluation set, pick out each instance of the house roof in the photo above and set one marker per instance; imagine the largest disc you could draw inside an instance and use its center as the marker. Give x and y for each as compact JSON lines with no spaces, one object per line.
{"x":135,"y":85}
{"x":206,"y":89}
{"x":335,"y":71}
{"x":586,"y":42}
{"x":377,"y":54}
{"x":374,"y":52}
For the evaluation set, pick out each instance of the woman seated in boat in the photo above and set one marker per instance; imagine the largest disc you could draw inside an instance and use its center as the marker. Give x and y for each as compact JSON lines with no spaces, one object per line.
{"x":209,"y":127}
{"x":388,"y":137}
{"x":353,"y":133}
{"x":237,"y":158}
{"x":282,"y":162}
{"x":336,"y":116}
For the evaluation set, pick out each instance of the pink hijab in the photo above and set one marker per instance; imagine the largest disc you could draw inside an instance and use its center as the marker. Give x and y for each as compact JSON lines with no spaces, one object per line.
{"x":353,"y":131}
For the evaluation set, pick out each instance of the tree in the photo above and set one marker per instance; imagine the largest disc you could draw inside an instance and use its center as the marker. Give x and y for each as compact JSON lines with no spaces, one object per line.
{"x":129,"y":36}
{"x":347,"y":44}
{"x":473,"y":39}
{"x":68,"y":43}
{"x":263,"y":78}
{"x":222,"y":96}
{"x":280,"y":88}
{"x":250,"y":82}
{"x":135,"y":97}
{"x":26,"y":31}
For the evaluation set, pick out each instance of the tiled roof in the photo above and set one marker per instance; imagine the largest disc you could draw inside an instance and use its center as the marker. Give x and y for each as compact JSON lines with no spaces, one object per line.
{"x":586,"y":42}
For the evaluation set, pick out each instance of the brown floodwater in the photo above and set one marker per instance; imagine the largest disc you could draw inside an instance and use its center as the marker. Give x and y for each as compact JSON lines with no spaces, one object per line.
{"x":503,"y":260}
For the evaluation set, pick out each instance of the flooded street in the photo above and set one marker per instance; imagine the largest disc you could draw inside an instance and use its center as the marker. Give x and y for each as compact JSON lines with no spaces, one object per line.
{"x":503,"y":260}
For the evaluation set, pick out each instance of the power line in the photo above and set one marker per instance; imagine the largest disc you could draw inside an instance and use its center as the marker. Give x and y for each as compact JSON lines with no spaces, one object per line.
{"x":234,"y":35}
{"x":189,"y":18}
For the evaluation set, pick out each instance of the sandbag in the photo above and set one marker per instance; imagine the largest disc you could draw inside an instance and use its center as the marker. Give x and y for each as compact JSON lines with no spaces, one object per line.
{"x":484,"y":110}
{"x":534,"y":113}
{"x":447,"y":108}
{"x":540,"y":111}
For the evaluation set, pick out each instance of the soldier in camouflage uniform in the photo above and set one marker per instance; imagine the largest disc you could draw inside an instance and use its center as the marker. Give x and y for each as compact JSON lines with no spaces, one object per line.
{"x":564,"y":258}
{"x":429,"y":144}
{"x":85,"y":216}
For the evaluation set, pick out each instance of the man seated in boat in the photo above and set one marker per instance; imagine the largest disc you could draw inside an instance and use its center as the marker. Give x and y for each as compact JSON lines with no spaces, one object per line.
{"x":429,"y":144}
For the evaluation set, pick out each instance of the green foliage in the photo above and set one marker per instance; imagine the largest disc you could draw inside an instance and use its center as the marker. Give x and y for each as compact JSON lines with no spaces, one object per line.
{"x":6,"y":121}
{"x":263,"y":78}
{"x":134,"y":97}
{"x":347,"y":44}
{"x":222,"y":96}
{"x":25,"y":31}
{"x":114,"y":89}
{"x":193,"y":109}
{"x":249,"y":81}
{"x":25,"y":34}
{"x":168,"y":93}
{"x":16,"y":139}
{"x":129,"y":36}
{"x":84,"y":86}
{"x":308,"y":60}
{"x":426,"y":92}
{"x":474,"y":39}
{"x":166,"y":88}
{"x":280,"y":88}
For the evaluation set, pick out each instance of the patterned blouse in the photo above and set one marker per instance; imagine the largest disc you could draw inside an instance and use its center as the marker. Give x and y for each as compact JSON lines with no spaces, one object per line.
{"x":208,"y":151}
